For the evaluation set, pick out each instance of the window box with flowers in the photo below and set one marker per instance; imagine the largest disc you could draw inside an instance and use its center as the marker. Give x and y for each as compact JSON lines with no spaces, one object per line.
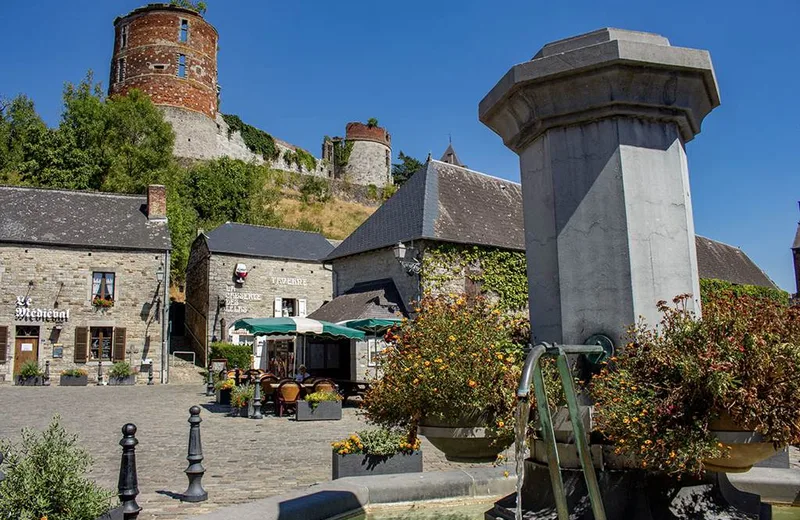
{"x":320,"y":406}
{"x":74,"y":377}
{"x":376,"y":452}
{"x":450,"y":375}
{"x":103,"y":285}
{"x":102,"y":303}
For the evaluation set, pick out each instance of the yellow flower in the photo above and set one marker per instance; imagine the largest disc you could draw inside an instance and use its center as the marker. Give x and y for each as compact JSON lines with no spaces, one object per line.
{"x":472,"y":384}
{"x":672,"y":454}
{"x":626,"y":420}
{"x":505,"y":474}
{"x":499,"y":356}
{"x":452,"y":338}
{"x":635,"y":419}
{"x":648,"y":441}
{"x":500,"y":424}
{"x":510,"y":359}
{"x":437,"y":360}
{"x":427,"y":363}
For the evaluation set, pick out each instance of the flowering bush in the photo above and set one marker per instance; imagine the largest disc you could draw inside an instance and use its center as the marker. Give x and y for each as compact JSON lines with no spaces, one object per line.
{"x":457,"y":359}
{"x":379,"y":442}
{"x":741,"y":359}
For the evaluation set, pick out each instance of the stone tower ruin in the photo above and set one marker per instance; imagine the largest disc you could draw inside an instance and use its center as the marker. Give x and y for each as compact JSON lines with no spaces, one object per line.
{"x":170,"y":54}
{"x":370,"y":160}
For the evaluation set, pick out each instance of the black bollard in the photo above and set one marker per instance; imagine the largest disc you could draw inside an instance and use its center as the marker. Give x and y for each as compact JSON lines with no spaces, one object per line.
{"x":150,"y":374}
{"x":46,"y":373}
{"x":100,"y":373}
{"x":210,"y":383}
{"x":128,"y":486}
{"x":257,"y":399}
{"x":195,"y":471}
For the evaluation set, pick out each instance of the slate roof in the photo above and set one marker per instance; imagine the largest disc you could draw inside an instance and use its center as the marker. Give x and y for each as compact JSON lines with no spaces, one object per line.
{"x":796,"y":244}
{"x":449,"y":156}
{"x":268,"y":242}
{"x":729,"y":263}
{"x":375,"y":299}
{"x":447,"y":203}
{"x":79,"y":218}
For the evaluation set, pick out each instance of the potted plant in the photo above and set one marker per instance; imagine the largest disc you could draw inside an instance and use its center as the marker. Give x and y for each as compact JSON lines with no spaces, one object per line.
{"x":242,"y":400}
{"x":29,"y":374}
{"x":320,"y":406}
{"x":223,"y":388}
{"x":718,"y":393}
{"x":102,"y":303}
{"x":121,"y":374}
{"x":452,"y":372}
{"x":74,"y":377}
{"x":376,"y":452}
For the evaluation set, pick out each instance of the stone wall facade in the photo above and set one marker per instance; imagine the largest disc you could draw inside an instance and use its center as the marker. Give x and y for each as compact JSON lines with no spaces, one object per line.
{"x":215,"y":301}
{"x":149,"y":55}
{"x":370,"y":160}
{"x":59,"y":280}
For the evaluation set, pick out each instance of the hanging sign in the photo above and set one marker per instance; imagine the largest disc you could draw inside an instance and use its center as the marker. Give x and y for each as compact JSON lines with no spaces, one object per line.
{"x":24,"y":311}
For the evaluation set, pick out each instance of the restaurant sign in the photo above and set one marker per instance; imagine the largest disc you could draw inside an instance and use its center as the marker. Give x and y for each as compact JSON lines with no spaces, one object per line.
{"x":279,"y":280}
{"x":24,"y":311}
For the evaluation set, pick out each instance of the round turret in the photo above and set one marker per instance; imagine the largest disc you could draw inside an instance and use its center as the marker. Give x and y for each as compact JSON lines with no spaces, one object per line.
{"x":370,"y":160}
{"x":169,"y":53}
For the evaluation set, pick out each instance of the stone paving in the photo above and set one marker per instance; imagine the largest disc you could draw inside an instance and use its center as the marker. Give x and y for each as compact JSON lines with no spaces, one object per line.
{"x":244,"y":459}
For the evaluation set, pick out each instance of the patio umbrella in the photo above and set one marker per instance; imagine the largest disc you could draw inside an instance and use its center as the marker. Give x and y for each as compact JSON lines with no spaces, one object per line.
{"x":297,"y":326}
{"x":373,"y":325}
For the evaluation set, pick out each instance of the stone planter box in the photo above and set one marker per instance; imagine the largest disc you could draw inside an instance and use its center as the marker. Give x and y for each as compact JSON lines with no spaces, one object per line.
{"x":122,"y":381}
{"x":356,"y":465}
{"x":324,"y":411}
{"x":29,"y":381}
{"x":464,"y":443}
{"x":224,"y":396}
{"x":74,"y":380}
{"x":245,"y":411}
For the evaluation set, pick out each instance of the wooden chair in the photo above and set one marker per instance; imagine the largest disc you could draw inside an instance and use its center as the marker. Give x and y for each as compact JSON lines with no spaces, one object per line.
{"x":287,"y":394}
{"x":310,"y":380}
{"x":267,"y":392}
{"x":324,"y":385}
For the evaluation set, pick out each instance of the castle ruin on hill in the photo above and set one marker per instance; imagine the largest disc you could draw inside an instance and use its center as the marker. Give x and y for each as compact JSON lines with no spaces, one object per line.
{"x":170,"y":53}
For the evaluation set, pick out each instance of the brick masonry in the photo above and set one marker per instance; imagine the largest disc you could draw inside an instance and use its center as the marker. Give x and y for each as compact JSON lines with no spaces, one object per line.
{"x":209,"y":280}
{"x":62,"y":280}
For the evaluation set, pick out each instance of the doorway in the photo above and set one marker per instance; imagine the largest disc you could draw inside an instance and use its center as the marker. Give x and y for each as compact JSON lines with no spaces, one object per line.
{"x":26,"y":346}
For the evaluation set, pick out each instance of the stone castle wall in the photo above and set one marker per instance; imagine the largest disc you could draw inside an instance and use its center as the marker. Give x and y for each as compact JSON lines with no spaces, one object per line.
{"x":148,"y":42}
{"x":369,"y":163}
{"x":62,"y":280}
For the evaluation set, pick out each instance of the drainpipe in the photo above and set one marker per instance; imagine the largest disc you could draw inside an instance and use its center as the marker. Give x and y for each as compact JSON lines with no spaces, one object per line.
{"x":165,"y":323}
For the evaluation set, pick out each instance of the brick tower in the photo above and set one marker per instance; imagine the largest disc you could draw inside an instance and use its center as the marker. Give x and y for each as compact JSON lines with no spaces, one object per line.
{"x":170,"y":53}
{"x":370,"y":160}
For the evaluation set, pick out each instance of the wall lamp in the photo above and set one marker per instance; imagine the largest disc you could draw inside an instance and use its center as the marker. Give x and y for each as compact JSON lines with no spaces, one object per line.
{"x":412,"y":266}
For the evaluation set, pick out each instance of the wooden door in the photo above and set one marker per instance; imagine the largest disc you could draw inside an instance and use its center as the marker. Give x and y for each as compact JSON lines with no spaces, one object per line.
{"x":25,"y":349}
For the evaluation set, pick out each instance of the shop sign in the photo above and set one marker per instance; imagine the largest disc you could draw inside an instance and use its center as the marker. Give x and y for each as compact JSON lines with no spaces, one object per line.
{"x":24,"y":311}
{"x":277,"y":280}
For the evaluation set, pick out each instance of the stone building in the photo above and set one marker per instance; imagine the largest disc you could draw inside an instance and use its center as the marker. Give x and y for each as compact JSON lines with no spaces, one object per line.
{"x":368,"y":155}
{"x":242,"y":271}
{"x":84,"y":279}
{"x":446,"y":203}
{"x":170,"y":53}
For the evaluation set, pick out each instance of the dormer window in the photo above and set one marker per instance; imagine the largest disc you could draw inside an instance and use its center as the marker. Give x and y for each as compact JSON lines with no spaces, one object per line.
{"x":183,"y":35}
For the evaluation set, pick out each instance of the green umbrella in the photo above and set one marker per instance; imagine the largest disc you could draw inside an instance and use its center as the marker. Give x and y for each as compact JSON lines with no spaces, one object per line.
{"x":372,"y":324}
{"x":296,"y":326}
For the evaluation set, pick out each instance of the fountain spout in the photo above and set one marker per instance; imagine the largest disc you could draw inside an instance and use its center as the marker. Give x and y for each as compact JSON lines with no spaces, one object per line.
{"x":524,"y":389}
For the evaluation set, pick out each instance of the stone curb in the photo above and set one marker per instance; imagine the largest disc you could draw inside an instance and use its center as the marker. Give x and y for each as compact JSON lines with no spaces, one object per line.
{"x":352,"y":494}
{"x":775,"y":485}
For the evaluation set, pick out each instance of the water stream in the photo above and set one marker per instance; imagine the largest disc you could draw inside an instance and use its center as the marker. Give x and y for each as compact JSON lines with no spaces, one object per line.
{"x":520,"y":449}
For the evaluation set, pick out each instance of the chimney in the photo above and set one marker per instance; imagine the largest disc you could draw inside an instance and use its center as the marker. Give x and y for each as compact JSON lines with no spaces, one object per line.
{"x":156,"y":202}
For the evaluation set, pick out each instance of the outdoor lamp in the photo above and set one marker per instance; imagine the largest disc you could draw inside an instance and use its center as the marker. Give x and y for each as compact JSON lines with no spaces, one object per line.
{"x":411,"y":267}
{"x":160,"y":273}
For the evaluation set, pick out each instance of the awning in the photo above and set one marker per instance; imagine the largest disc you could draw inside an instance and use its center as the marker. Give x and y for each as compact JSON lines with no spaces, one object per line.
{"x":372,"y":324}
{"x":296,"y":326}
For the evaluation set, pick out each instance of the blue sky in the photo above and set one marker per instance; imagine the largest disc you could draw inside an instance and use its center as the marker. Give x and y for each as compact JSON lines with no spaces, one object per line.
{"x":302,"y":69}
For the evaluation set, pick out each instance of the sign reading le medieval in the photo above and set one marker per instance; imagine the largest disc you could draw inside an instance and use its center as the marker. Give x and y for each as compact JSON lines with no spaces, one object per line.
{"x":25,"y":312}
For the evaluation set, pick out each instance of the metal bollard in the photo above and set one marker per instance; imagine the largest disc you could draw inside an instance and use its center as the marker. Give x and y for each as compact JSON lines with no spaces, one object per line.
{"x":100,"y":373}
{"x":195,"y":471}
{"x":46,"y":381}
{"x":210,"y":383}
{"x":128,"y":486}
{"x":257,"y":400}
{"x":150,"y":375}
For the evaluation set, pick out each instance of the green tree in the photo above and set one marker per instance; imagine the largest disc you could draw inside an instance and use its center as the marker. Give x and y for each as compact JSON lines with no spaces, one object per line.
{"x":20,"y":128}
{"x":403,"y":170}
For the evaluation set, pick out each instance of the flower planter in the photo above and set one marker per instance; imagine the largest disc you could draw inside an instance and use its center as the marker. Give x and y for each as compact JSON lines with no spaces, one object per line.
{"x":122,"y":381}
{"x":358,"y":465}
{"x":246,"y":411}
{"x":324,"y":411}
{"x":224,"y":396}
{"x":747,"y":447}
{"x":74,"y":380}
{"x":28,"y":381}
{"x":462,"y":442}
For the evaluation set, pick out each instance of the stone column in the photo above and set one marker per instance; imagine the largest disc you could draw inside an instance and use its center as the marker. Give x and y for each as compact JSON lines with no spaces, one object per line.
{"x":600,"y":122}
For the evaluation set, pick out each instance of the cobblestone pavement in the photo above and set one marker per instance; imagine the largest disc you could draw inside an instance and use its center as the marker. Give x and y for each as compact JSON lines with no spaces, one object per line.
{"x":244,"y":459}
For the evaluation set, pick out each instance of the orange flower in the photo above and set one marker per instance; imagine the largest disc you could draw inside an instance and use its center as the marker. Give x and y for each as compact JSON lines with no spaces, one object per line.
{"x":472,"y":384}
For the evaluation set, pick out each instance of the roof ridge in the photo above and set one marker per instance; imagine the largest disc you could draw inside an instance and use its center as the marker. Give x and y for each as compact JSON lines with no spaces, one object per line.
{"x":271,"y":227}
{"x":477,"y":172}
{"x":81,"y":192}
{"x":719,"y":242}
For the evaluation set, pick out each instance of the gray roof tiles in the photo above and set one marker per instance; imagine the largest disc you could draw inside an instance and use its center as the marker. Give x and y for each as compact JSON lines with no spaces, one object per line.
{"x":79,"y":218}
{"x":796,"y":244}
{"x":729,"y":263}
{"x":376,"y":299}
{"x":261,"y":241}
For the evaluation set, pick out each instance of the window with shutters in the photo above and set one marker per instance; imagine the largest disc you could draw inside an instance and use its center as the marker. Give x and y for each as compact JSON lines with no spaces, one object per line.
{"x":100,"y":343}
{"x":289,"y":307}
{"x":3,"y":344}
{"x":81,"y":344}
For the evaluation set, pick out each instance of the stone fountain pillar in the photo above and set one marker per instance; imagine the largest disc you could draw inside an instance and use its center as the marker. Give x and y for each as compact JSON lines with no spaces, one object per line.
{"x":600,"y":122}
